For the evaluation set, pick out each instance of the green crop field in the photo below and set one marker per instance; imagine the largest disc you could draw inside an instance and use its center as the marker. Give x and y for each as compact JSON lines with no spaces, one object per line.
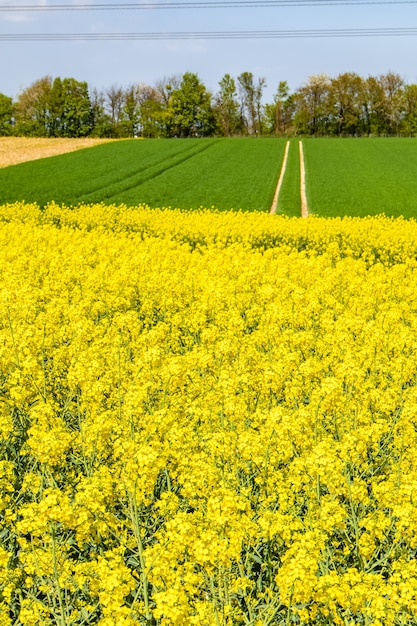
{"x":360,"y":177}
{"x":355,"y":177}
{"x":221,"y":173}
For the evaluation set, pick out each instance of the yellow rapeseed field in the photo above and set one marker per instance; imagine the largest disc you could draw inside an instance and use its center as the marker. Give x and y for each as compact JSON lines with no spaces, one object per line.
{"x":207,"y":419}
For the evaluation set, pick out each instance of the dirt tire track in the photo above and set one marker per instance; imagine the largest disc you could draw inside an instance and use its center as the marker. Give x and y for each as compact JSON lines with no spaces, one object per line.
{"x":304,"y":206}
{"x":274,"y":204}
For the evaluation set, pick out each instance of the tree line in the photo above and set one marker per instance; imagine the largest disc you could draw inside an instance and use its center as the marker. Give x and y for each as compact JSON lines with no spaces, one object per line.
{"x":182,"y":106}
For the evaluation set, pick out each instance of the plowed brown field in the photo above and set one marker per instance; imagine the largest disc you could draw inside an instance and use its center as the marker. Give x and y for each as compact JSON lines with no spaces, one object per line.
{"x":19,"y":149}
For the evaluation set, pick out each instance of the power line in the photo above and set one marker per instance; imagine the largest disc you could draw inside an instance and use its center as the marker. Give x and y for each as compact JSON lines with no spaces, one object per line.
{"x":230,"y":35}
{"x":204,"y":4}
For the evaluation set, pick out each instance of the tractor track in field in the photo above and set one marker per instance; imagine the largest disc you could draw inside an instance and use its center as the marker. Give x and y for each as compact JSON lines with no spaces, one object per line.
{"x":274,"y":204}
{"x":150,"y":172}
{"x":304,"y":206}
{"x":303,"y":195}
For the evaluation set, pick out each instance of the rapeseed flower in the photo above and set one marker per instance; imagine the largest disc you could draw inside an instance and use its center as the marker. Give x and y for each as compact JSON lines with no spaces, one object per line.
{"x":206,"y":418}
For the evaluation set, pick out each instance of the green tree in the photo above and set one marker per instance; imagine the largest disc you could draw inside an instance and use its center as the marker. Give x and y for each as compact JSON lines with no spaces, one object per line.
{"x":384,"y":103}
{"x":164,"y":89}
{"x":226,"y":107}
{"x":312,"y":114}
{"x":152,"y":109}
{"x":251,"y":92}
{"x":70,"y":111}
{"x":373,"y":106}
{"x":114,"y":106}
{"x":77,"y":113}
{"x":56,"y":109}
{"x":345,"y":104}
{"x":6,"y":115}
{"x":392,"y":86}
{"x":409,"y":122}
{"x":131,"y":111}
{"x":189,"y":110}
{"x":279,"y":113}
{"x":32,"y":109}
{"x":100,"y":120}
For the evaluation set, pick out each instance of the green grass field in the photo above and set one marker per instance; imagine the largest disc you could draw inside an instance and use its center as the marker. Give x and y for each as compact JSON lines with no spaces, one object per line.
{"x":360,"y":177}
{"x":221,"y":173}
{"x":355,"y":177}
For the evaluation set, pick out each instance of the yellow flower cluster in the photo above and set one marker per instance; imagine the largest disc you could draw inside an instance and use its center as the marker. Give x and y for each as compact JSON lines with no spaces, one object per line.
{"x":206,"y":418}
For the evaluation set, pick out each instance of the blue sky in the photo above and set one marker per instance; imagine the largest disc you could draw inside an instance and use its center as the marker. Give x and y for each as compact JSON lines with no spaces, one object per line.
{"x":106,"y":63}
